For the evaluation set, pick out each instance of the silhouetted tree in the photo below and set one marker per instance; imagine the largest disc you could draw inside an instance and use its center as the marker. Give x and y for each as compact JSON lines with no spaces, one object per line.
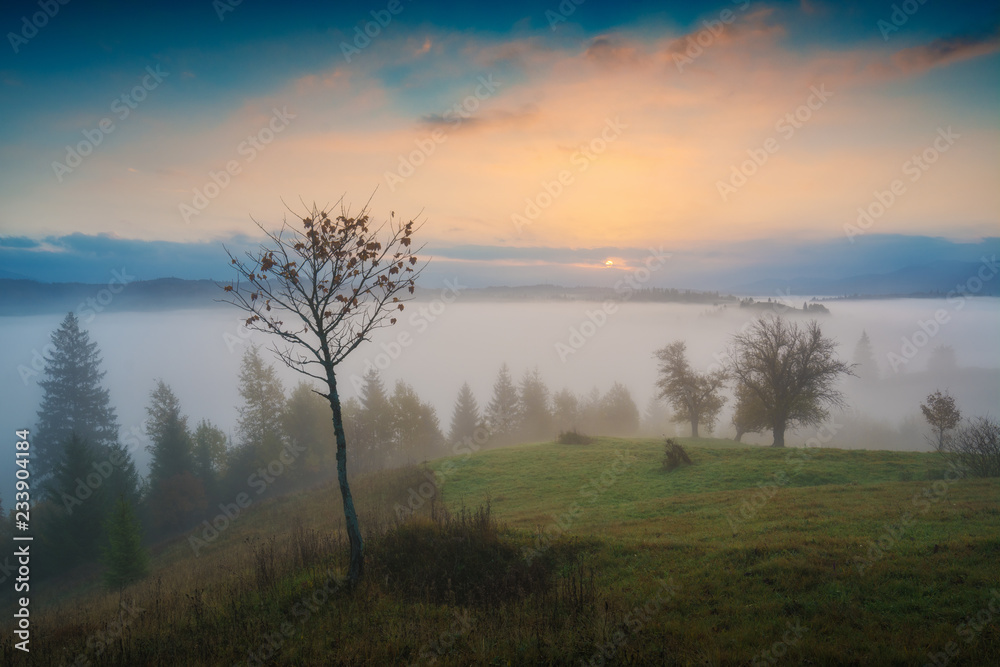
{"x":73,"y":400}
{"x":125,"y":559}
{"x":336,"y":281}
{"x":73,"y":526}
{"x":176,"y":496}
{"x":533,"y":407}
{"x":565,"y":410}
{"x":374,"y":423}
{"x":260,"y":426}
{"x":694,"y":396}
{"x":170,"y":441}
{"x":308,"y":426}
{"x":619,"y":414}
{"x":465,"y":419}
{"x":791,"y":371}
{"x":502,"y":413}
{"x":656,"y":418}
{"x":942,"y":414}
{"x":209,"y":456}
{"x":865,"y":365}
{"x":942,"y":360}
{"x":416,"y":431}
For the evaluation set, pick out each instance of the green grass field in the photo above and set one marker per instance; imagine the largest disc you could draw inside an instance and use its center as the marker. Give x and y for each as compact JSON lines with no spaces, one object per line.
{"x":749,"y":556}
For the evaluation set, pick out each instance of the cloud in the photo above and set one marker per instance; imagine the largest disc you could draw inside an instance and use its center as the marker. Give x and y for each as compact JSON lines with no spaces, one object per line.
{"x":945,"y":51}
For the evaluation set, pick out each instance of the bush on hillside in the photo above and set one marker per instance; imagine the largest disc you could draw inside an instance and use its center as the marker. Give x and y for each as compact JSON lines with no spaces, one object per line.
{"x":674,"y":456}
{"x":573,"y":438}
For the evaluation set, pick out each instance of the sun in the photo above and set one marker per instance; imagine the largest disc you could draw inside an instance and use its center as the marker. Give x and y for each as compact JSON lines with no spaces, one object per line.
{"x":609,"y":263}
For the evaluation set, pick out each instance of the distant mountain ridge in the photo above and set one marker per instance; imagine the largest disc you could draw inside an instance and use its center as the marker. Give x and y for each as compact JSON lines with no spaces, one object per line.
{"x":29,"y":297}
{"x":940,"y":277}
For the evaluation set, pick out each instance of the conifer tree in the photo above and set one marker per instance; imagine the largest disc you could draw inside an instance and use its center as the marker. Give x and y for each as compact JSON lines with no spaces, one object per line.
{"x":170,"y":441}
{"x":533,"y":407}
{"x":465,"y":419}
{"x":502,"y":414}
{"x":125,"y":559}
{"x":74,"y":399}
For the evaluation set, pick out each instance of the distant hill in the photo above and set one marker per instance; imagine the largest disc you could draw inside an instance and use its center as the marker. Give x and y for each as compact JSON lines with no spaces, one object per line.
{"x":28,"y":297}
{"x":935,"y":278}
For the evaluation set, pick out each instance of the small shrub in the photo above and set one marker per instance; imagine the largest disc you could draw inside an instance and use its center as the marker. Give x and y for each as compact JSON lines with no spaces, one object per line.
{"x":466,"y":559}
{"x":674,"y":456}
{"x":976,"y":447}
{"x":573,"y":438}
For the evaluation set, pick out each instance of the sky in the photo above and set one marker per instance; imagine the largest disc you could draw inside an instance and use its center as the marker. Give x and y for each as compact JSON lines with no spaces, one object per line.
{"x":536,"y":142}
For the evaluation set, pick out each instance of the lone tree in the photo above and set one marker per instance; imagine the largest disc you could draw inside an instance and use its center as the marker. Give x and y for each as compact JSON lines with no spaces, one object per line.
{"x":790,"y":372}
{"x":74,"y":400}
{"x":694,"y":396}
{"x":942,"y":414}
{"x":322,"y":290}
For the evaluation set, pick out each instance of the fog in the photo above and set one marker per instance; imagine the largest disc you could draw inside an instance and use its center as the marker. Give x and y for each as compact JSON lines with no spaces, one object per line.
{"x":436,"y":346}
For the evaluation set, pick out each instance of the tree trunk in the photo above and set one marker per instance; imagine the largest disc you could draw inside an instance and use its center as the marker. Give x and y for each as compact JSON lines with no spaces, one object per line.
{"x":350,"y":514}
{"x":694,"y":427}
{"x":779,"y":435}
{"x":739,"y":434}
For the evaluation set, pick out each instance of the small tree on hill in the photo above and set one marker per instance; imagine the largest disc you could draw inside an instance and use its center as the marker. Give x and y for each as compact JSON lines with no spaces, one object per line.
{"x":124,"y":556}
{"x":942,"y":414}
{"x":694,"y":396}
{"x":336,"y":280}
{"x":790,"y":372}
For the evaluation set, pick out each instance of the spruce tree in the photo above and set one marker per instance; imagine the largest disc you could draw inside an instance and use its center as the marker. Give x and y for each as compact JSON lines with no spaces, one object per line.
{"x":866,"y":367}
{"x":124,"y":556}
{"x":170,"y":441}
{"x":502,"y":414}
{"x":260,"y":427}
{"x":73,"y":398}
{"x":374,"y":422}
{"x":209,"y":455}
{"x":465,"y":419}
{"x":533,"y":407}
{"x":74,"y":527}
{"x":416,"y":433}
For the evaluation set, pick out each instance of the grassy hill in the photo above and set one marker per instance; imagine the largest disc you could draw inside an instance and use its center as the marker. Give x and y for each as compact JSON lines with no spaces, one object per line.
{"x":749,"y":556}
